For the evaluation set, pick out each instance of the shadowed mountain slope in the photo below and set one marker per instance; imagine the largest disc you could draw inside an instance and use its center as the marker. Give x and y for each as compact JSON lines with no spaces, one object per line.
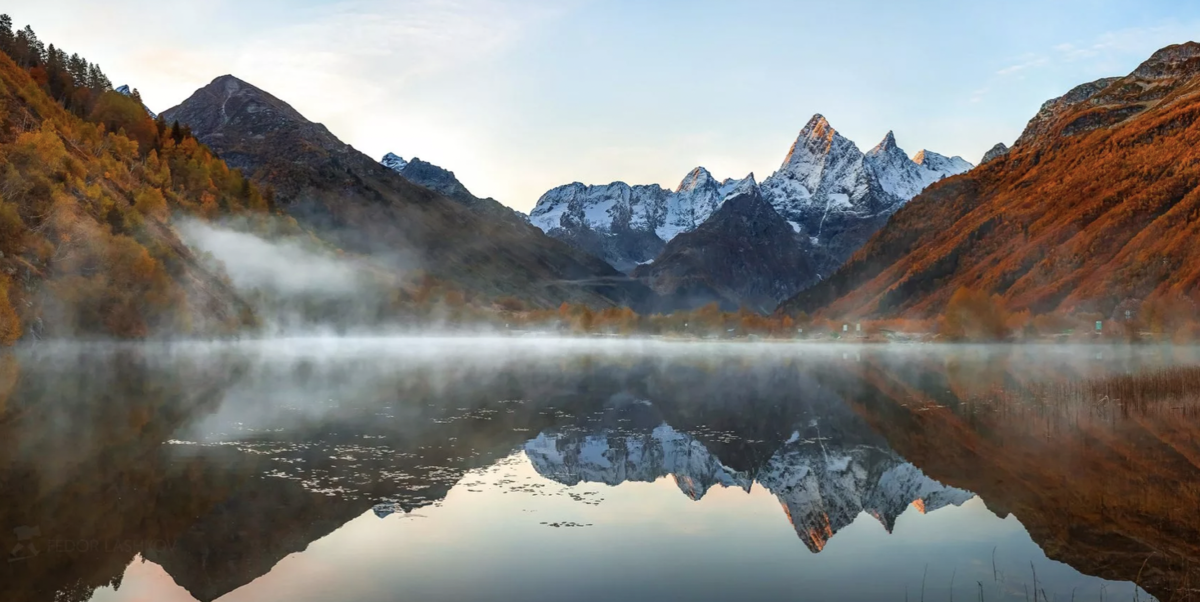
{"x":745,"y":255}
{"x":362,"y":206}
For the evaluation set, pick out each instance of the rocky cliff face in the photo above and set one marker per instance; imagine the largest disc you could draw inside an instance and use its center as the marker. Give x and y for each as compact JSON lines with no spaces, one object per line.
{"x":744,"y":255}
{"x":362,"y":206}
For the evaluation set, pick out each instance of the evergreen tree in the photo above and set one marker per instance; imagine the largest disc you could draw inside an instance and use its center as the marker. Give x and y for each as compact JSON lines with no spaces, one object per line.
{"x":7,"y":39}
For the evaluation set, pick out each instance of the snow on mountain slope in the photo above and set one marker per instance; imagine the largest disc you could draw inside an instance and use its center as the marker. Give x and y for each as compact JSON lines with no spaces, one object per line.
{"x":649,"y":207}
{"x":394,"y":162}
{"x":839,"y":196}
{"x":826,"y":173}
{"x":826,"y":188}
{"x":631,"y":222}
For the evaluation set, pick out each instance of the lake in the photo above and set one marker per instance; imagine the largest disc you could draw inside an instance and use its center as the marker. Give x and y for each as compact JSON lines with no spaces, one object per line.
{"x":573,"y":469}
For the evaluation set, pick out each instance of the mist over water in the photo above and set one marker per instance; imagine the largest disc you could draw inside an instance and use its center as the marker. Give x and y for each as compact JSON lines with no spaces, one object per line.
{"x":241,"y":470}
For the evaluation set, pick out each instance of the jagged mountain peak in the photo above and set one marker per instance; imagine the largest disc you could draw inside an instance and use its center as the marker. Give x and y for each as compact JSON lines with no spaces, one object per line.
{"x":887,"y":144}
{"x":696,"y":178}
{"x":731,"y":187}
{"x":816,"y":124}
{"x":824,"y":185}
{"x":817,"y":134}
{"x":433,"y":177}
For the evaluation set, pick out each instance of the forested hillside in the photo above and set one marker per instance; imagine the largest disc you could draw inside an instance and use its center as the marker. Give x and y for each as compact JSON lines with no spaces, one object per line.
{"x":88,"y":184}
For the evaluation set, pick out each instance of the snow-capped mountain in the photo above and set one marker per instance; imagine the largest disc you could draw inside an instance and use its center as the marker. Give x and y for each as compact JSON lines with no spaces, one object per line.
{"x":628,"y":225}
{"x":826,"y":187}
{"x":839,"y":195}
{"x":822,"y":486}
{"x":394,"y":162}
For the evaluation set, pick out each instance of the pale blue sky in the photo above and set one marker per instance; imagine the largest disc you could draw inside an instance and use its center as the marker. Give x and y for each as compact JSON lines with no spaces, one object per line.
{"x":518,"y":96}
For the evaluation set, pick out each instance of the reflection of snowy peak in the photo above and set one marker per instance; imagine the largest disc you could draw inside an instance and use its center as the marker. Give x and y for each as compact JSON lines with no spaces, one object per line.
{"x":822,"y":487}
{"x":907,"y":482}
{"x":616,"y":458}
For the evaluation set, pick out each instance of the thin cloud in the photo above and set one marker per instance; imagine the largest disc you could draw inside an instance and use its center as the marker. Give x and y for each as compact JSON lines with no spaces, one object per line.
{"x":1027,"y":63}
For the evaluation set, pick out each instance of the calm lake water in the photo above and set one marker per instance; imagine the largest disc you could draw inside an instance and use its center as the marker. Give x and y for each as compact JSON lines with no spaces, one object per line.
{"x":525,"y":469}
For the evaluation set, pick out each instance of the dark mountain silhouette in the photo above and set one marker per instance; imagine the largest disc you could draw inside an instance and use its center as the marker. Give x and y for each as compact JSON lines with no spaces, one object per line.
{"x":744,"y":255}
{"x":362,"y":206}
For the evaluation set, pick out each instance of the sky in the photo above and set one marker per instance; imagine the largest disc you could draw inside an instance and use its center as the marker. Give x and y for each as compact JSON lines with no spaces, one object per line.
{"x":519,"y":96}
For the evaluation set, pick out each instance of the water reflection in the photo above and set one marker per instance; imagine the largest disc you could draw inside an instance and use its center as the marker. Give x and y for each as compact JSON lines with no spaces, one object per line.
{"x":357,"y":469}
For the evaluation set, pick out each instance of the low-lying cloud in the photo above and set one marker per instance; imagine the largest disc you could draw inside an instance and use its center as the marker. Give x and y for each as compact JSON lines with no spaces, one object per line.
{"x":285,"y":267}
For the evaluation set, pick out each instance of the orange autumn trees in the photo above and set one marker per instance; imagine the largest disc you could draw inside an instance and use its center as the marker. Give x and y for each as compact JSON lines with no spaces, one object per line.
{"x":88,"y":185}
{"x":974,"y":315}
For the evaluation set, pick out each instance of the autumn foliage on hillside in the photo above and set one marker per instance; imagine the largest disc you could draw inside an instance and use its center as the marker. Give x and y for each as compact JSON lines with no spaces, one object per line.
{"x":1102,"y":209}
{"x":88,"y":181}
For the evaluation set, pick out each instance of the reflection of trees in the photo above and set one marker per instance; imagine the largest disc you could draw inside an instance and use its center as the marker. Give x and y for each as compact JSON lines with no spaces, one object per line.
{"x":1101,"y":483}
{"x":82,"y":459}
{"x":84,"y":453}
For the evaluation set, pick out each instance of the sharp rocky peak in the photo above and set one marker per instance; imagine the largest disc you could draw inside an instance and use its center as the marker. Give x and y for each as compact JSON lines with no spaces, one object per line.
{"x":697,"y":178}
{"x":888,"y":144}
{"x":817,"y":132}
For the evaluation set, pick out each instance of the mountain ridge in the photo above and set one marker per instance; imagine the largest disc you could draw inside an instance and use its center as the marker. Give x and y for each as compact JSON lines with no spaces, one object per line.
{"x":1113,"y":234}
{"x":826,"y":187}
{"x":364,"y":207}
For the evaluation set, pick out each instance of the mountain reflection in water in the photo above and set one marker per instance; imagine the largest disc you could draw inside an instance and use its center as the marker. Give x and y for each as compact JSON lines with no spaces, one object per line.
{"x":524,"y":469}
